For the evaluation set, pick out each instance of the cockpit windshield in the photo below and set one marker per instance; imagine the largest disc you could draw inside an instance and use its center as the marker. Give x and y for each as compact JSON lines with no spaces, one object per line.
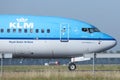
{"x":90,"y":30}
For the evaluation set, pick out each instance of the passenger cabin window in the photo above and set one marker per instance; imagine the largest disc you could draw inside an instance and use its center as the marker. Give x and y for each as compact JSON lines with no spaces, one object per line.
{"x":1,"y":30}
{"x":42,"y":30}
{"x":25,"y":30}
{"x":48,"y":30}
{"x":19,"y":30}
{"x":31,"y":30}
{"x":14,"y":30}
{"x":8,"y":30}
{"x":37,"y":30}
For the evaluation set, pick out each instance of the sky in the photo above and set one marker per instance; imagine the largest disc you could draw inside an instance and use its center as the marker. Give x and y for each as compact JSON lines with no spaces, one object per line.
{"x":104,"y":14}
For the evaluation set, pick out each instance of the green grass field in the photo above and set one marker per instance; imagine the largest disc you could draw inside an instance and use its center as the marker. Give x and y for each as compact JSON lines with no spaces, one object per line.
{"x":83,"y":72}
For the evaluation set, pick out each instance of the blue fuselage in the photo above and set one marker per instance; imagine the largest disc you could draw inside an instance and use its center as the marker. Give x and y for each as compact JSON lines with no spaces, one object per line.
{"x":50,"y":28}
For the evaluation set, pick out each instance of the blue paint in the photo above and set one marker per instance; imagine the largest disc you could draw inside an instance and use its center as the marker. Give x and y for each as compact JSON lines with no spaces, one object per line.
{"x":60,"y":28}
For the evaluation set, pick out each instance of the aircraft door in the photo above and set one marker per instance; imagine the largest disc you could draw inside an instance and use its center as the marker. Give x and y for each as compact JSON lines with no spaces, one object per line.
{"x":64,"y":32}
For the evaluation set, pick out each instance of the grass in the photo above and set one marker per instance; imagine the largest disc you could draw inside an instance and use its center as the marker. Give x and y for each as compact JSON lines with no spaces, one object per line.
{"x":60,"y":68}
{"x":60,"y":73}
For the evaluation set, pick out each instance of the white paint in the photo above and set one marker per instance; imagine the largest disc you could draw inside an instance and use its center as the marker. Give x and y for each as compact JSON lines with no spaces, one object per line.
{"x":21,"y":23}
{"x":77,"y":59}
{"x":54,"y":48}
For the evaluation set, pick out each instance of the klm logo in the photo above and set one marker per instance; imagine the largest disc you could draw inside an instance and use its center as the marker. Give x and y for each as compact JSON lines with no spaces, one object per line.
{"x":21,"y":23}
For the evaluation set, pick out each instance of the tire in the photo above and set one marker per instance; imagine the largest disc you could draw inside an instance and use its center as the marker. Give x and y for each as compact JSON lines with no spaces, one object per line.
{"x":72,"y":67}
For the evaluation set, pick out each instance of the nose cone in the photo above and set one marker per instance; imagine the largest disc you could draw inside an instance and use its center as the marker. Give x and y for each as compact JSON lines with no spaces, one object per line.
{"x":110,"y":42}
{"x":113,"y":43}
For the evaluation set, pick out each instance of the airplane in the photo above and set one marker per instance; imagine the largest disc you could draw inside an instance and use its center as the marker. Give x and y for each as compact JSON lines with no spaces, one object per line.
{"x":26,"y":36}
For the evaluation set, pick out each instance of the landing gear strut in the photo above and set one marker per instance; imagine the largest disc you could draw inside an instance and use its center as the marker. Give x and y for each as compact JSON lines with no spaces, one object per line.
{"x":72,"y":66}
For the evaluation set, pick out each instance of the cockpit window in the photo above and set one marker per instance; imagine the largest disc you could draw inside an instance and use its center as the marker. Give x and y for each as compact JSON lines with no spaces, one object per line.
{"x":90,"y":30}
{"x":96,"y":30}
{"x":84,"y":29}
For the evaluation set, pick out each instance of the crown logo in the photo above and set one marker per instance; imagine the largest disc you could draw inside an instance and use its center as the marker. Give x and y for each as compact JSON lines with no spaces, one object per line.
{"x":21,"y":20}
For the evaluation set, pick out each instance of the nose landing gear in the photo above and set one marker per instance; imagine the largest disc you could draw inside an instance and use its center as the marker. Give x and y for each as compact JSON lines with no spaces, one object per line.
{"x":72,"y":66}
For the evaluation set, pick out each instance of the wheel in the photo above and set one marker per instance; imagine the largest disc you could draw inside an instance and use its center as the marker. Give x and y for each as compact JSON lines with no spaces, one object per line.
{"x":72,"y":67}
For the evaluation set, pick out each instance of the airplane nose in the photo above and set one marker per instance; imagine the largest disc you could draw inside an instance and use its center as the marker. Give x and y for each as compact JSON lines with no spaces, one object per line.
{"x":109,"y":44}
{"x":114,"y":43}
{"x":110,"y":41}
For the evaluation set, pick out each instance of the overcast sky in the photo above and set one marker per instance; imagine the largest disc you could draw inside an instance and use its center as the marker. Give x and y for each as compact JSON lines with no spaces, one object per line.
{"x":104,"y":14}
